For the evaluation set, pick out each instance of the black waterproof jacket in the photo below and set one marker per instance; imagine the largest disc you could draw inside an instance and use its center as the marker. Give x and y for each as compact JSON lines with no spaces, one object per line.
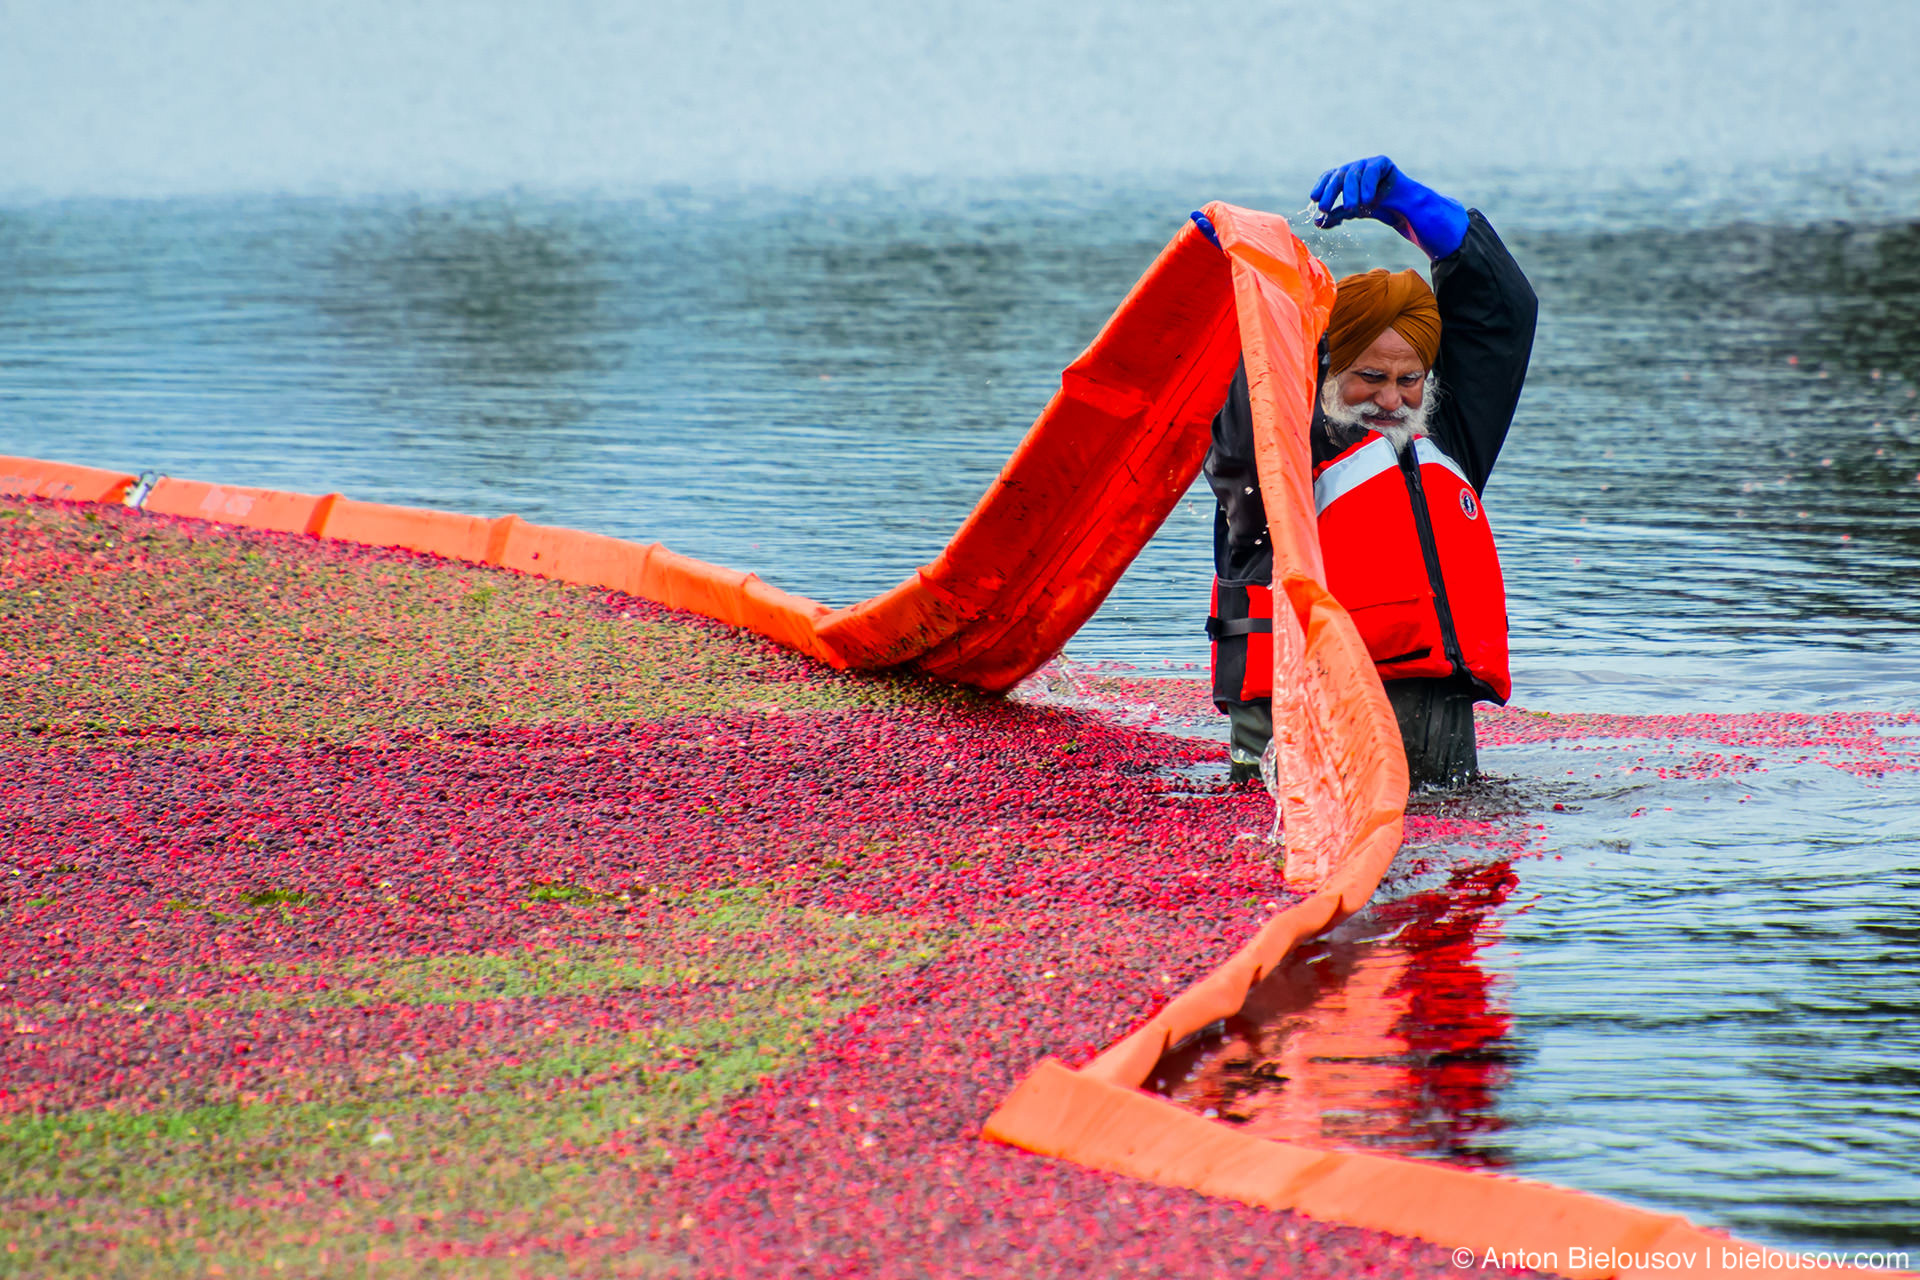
{"x":1487,"y":314}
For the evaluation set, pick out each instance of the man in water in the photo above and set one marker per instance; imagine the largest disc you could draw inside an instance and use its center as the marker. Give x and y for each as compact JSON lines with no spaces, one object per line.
{"x":1418,"y":386}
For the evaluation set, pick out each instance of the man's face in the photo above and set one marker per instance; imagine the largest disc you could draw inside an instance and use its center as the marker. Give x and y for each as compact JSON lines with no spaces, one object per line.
{"x":1387,"y":378}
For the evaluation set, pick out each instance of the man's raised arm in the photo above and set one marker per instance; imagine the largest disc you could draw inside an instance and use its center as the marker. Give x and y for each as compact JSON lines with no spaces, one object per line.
{"x":1487,"y":315}
{"x":1487,"y":308}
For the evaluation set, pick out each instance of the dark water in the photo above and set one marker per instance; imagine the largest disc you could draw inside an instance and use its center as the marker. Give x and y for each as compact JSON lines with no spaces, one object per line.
{"x":1716,"y":1003}
{"x":1677,"y":997}
{"x":819,"y":389}
{"x":1711,"y":499}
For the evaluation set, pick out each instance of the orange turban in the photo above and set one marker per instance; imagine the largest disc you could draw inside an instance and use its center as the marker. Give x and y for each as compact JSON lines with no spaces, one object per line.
{"x":1368,"y":305}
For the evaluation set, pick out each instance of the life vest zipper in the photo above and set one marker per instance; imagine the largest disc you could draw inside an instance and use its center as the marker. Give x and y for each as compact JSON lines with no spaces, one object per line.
{"x":1423,"y":521}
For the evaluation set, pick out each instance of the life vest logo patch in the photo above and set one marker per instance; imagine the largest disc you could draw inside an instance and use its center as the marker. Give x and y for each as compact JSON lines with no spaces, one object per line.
{"x":1468,"y":507}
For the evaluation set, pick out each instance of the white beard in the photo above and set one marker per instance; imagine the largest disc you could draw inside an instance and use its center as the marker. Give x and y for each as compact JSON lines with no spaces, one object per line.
{"x":1408,"y":422}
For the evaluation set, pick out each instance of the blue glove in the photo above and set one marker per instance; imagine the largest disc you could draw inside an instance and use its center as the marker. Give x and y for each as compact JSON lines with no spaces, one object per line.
{"x":1373,"y":188}
{"x":1205,"y":224}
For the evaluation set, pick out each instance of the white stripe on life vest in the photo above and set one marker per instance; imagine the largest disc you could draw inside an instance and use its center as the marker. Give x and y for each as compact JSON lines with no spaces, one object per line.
{"x":1352,"y":471}
{"x":1368,"y":461}
{"x":1425,"y":451}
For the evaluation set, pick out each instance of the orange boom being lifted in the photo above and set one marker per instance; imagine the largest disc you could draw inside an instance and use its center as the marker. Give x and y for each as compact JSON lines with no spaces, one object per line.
{"x":1109,"y":457}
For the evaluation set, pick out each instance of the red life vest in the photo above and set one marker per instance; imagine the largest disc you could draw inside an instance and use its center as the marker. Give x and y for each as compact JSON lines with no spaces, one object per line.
{"x":1242,"y":672}
{"x":1409,"y":553}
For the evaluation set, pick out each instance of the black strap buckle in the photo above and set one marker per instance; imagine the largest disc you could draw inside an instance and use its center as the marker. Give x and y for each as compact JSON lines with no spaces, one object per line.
{"x":1219,"y":629}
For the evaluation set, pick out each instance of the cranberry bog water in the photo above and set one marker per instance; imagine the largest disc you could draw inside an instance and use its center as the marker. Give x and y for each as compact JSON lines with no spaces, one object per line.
{"x":368,"y":911}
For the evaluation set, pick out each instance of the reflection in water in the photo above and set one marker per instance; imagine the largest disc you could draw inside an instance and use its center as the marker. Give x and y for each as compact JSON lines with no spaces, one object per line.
{"x":495,"y":314}
{"x":1388,"y":1034}
{"x":1860,"y":287}
{"x":1696,"y":993}
{"x":499,"y":296}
